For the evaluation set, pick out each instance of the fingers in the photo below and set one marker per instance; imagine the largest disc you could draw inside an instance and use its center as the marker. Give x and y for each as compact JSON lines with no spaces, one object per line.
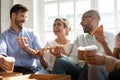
{"x":51,"y":51}
{"x":41,"y":53}
{"x":55,"y":50}
{"x":22,"y":41}
{"x":100,"y":36}
{"x":90,"y":58}
{"x":36,"y":51}
{"x":4,"y":64}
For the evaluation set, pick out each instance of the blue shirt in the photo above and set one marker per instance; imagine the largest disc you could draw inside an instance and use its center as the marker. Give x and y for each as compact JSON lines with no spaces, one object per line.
{"x":10,"y":47}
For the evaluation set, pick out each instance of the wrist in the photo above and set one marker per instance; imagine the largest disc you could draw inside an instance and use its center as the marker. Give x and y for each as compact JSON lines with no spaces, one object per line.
{"x":41,"y":57}
{"x":104,"y":43}
{"x":104,"y":59}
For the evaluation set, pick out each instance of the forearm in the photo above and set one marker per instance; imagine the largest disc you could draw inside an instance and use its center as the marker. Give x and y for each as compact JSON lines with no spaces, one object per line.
{"x":31,"y":51}
{"x":112,"y":63}
{"x":106,"y":48}
{"x":43,"y":62}
{"x":116,"y":52}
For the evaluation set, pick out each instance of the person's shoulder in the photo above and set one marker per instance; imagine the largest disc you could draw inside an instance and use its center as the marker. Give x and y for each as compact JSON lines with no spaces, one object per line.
{"x":5,"y":32}
{"x":28,"y":29}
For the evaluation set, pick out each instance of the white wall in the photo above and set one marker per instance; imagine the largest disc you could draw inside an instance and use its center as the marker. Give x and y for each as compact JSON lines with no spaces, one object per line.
{"x":39,"y":19}
{"x":5,"y":9}
{"x":5,"y":17}
{"x":35,"y":18}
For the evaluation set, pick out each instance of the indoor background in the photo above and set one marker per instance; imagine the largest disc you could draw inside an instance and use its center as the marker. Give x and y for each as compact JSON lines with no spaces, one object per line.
{"x":43,"y":12}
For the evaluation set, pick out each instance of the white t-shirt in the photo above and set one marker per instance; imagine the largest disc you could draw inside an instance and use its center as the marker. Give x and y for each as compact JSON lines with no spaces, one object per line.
{"x":86,"y":39}
{"x":51,"y":58}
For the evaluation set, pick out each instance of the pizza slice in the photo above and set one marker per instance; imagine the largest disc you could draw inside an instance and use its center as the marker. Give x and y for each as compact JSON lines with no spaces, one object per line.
{"x":22,"y":38}
{"x":98,"y":30}
{"x":53,"y":47}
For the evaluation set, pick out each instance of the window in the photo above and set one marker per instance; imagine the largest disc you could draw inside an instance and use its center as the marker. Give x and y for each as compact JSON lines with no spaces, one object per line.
{"x":73,"y":10}
{"x":107,"y":14}
{"x":118,"y":15}
{"x":69,"y":9}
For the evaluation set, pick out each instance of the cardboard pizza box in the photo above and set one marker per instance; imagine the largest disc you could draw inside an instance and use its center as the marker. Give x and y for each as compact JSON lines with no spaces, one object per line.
{"x":39,"y":77}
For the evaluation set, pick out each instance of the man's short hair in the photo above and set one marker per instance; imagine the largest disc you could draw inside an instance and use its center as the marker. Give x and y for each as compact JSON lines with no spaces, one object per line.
{"x":94,"y":13}
{"x":18,"y":7}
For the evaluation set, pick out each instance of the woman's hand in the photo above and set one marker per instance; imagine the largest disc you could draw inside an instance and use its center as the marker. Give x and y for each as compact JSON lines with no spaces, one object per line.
{"x":58,"y":51}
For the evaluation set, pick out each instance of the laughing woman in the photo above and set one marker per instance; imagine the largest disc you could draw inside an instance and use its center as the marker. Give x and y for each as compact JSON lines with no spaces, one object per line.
{"x":61,"y":27}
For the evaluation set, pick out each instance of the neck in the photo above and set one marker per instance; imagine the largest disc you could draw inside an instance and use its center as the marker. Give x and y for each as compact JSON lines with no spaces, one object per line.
{"x":62,"y":40}
{"x":15,"y":28}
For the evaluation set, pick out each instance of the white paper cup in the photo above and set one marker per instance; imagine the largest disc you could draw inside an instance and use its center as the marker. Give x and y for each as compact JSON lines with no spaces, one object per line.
{"x":81,"y":52}
{"x":11,"y":62}
{"x":92,"y":49}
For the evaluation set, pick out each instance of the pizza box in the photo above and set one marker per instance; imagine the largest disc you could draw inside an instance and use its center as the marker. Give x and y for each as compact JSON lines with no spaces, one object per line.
{"x":39,"y":77}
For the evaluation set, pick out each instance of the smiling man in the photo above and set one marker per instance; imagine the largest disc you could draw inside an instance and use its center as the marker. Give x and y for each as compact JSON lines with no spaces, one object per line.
{"x":19,"y":42}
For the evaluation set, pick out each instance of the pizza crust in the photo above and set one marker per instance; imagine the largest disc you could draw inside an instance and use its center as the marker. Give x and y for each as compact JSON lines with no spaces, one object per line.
{"x":97,"y":30}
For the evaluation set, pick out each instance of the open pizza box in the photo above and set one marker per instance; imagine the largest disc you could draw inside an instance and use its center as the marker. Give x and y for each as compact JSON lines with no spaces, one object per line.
{"x":38,"y":77}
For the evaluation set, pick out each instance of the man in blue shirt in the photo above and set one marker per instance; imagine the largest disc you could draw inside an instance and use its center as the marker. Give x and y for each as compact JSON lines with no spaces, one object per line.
{"x":20,"y":43}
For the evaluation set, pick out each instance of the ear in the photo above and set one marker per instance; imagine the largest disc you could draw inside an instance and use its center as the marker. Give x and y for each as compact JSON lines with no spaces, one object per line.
{"x":66,"y":29}
{"x":92,"y":19}
{"x":13,"y":15}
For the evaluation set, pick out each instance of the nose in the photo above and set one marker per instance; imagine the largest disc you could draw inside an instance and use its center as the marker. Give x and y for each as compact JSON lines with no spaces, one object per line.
{"x":25,"y":18}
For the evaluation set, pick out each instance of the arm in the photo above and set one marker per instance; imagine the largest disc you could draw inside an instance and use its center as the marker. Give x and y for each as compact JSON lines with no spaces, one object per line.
{"x":58,"y":51}
{"x":45,"y":57}
{"x":3,"y":63}
{"x":116,"y":50}
{"x":3,"y":50}
{"x":106,"y":41}
{"x":106,"y":48}
{"x":30,"y":44}
{"x":42,"y":59}
{"x":24,"y":44}
{"x":95,"y":59}
{"x":110,"y":62}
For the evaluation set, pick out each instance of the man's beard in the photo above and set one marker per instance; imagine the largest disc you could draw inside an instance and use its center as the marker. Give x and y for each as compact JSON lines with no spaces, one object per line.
{"x":19,"y":24}
{"x":88,"y":28}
